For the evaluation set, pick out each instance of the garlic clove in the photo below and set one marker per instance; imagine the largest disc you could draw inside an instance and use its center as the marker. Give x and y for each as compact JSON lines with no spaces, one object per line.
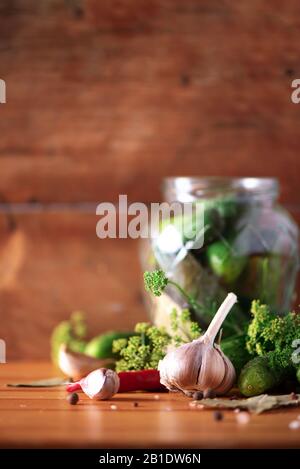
{"x":100,"y":384}
{"x":229,"y":376}
{"x":212,"y":371}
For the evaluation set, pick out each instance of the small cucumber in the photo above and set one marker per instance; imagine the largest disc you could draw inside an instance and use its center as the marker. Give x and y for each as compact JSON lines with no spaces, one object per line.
{"x":101,"y":345}
{"x":257,"y":377}
{"x":224,"y":262}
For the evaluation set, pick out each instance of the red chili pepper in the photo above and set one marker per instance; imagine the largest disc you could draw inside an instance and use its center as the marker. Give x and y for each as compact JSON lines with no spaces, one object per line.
{"x":74,"y":387}
{"x":143,"y":380}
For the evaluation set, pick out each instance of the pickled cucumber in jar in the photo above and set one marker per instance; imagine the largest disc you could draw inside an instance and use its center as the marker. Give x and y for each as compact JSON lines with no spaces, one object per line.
{"x":249,"y":245}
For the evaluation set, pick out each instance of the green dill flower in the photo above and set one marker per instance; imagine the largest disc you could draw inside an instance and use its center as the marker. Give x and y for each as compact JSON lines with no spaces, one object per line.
{"x":119,"y":344}
{"x":155,"y":282}
{"x":195,"y":330}
{"x":145,"y":349}
{"x":185,"y":316}
{"x":142,"y":327}
{"x":272,"y":336}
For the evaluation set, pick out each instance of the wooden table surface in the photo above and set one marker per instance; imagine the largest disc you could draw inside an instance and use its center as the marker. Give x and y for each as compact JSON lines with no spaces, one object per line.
{"x":41,"y":418}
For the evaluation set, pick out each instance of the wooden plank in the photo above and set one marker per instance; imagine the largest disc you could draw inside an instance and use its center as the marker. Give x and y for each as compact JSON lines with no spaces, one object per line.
{"x":54,"y":264}
{"x":42,"y":418}
{"x":110,"y":97}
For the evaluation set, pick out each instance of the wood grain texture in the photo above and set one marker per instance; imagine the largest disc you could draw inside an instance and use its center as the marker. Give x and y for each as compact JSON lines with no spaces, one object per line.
{"x":41,"y":418}
{"x":53,"y":264}
{"x":109,"y":97}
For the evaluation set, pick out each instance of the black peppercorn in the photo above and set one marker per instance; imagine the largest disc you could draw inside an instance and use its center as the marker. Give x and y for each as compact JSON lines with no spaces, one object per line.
{"x":209,"y":394}
{"x":218,"y":415}
{"x":197,"y":396}
{"x":73,"y":398}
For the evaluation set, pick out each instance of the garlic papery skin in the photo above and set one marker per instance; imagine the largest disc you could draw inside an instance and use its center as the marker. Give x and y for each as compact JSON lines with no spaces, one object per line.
{"x":200,"y":365}
{"x":100,"y":384}
{"x":77,"y":365}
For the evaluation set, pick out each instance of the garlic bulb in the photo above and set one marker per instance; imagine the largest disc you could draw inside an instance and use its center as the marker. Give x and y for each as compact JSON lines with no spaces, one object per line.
{"x":77,"y":365}
{"x":200,"y":365}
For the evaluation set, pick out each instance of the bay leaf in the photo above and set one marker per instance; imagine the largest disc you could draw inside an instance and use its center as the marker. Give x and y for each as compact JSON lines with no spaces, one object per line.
{"x":42,"y":383}
{"x":256,"y":405}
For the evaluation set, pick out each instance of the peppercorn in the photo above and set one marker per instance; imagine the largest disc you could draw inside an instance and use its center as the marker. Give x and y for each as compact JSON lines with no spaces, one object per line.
{"x":73,"y":398}
{"x":209,"y":394}
{"x":218,"y":415}
{"x":197,"y":396}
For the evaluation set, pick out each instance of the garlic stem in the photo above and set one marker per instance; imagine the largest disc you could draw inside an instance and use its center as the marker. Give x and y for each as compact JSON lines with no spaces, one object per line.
{"x":220,"y":317}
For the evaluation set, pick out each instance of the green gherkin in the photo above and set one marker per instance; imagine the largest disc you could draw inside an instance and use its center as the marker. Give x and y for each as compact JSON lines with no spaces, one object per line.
{"x":272,"y":338}
{"x":101,"y":345}
{"x":224,"y":262}
{"x":258,"y":376}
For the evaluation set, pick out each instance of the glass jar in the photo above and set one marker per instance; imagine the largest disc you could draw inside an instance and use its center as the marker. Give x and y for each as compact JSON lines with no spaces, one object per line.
{"x":249,"y":247}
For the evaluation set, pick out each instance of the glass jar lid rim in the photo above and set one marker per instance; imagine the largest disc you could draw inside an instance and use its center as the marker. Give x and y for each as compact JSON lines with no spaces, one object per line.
{"x":205,"y":186}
